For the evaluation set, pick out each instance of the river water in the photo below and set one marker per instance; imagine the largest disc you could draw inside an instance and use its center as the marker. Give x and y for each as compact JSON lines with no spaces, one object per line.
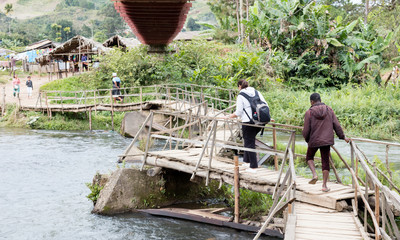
{"x":43,"y":191}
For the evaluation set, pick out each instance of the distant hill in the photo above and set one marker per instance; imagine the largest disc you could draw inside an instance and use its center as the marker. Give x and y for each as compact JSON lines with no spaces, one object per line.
{"x":33,"y":20}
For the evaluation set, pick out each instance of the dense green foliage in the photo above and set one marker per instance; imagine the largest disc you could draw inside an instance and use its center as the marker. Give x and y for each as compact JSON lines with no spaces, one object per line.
{"x":308,"y":49}
{"x":312,"y":45}
{"x":199,"y":62}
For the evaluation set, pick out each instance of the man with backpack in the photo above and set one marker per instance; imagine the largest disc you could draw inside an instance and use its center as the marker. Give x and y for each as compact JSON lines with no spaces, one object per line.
{"x":252,"y":108}
{"x":319,"y":123}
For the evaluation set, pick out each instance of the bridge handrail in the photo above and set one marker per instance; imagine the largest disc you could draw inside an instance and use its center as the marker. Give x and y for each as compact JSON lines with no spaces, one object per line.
{"x":289,"y":196}
{"x":382,"y":193}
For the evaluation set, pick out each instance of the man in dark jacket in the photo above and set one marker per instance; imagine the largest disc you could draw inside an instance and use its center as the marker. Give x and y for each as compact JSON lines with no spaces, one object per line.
{"x":319,"y":123}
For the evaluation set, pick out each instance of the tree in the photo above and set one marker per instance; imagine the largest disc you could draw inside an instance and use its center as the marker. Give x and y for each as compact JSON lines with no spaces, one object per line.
{"x":57,"y":31}
{"x":100,"y":36}
{"x":67,"y":30}
{"x":8,"y":8}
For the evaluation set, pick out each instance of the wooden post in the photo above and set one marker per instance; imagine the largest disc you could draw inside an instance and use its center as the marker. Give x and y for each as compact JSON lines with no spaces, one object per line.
{"x":3,"y":109}
{"x":170,"y":134}
{"x":141,"y":99}
{"x":387,"y":165}
{"x":352,"y":164}
{"x":95,"y":103}
{"x":365,"y":209}
{"x":377,"y":198}
{"x":90,"y":119}
{"x":274,"y":141}
{"x":383,"y":213}
{"x":334,"y":169}
{"x":47,"y":106}
{"x":62,"y":105}
{"x":79,"y":60}
{"x":237,"y":186}
{"x":190,"y":120}
{"x":112,"y":111}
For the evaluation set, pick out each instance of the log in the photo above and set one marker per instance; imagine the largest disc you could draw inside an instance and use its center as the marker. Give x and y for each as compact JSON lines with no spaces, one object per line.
{"x":341,"y":206}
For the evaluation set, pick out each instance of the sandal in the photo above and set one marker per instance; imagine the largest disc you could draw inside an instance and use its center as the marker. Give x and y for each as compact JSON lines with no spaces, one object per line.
{"x":326,"y":189}
{"x":313,"y":181}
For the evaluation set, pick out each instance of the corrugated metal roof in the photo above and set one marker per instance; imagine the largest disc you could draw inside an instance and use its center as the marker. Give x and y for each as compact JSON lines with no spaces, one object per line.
{"x":154,"y":22}
{"x":41,"y":45}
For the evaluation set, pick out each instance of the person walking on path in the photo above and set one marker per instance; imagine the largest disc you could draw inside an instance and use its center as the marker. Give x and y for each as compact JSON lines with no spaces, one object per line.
{"x":244,"y":111}
{"x":116,"y":92}
{"x":319,"y":123}
{"x":29,"y":86}
{"x":16,"y":86}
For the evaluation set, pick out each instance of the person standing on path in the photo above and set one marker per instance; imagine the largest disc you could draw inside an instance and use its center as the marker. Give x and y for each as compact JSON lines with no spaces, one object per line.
{"x":13,"y":65}
{"x":16,"y":86}
{"x":319,"y":123}
{"x":116,"y":92}
{"x":244,"y":111}
{"x":29,"y":86}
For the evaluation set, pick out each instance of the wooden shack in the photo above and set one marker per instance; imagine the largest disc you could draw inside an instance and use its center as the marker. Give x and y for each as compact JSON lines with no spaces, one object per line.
{"x":73,"y":56}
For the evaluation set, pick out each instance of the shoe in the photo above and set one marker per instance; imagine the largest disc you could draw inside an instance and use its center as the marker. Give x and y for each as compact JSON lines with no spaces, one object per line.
{"x":313,"y":181}
{"x":251,"y":170}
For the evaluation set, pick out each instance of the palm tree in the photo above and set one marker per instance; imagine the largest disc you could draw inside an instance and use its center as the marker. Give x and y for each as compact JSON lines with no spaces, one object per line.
{"x":8,"y":8}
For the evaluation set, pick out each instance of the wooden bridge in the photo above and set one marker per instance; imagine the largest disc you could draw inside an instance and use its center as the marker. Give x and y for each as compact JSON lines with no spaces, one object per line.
{"x":199,"y":142}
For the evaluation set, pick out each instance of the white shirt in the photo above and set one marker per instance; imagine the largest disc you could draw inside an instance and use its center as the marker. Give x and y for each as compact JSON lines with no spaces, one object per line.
{"x":242,"y":103}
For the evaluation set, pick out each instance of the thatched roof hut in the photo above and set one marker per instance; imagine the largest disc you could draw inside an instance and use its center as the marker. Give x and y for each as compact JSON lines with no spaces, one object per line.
{"x":77,"y":45}
{"x":121,"y":42}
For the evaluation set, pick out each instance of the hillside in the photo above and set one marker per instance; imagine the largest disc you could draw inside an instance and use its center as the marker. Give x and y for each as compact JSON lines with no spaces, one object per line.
{"x":25,"y":9}
{"x":58,"y":20}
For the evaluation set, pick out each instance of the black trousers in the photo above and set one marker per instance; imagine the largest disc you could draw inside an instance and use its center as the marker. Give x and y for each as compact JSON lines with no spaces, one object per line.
{"x":324,"y":150}
{"x":249,"y":137}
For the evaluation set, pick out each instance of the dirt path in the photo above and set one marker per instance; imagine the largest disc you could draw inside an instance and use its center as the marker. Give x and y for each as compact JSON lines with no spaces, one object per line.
{"x":25,"y":101}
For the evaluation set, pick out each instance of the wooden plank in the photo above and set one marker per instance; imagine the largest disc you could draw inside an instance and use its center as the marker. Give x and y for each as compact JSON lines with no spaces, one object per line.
{"x":316,"y":199}
{"x":345,"y":234}
{"x":314,"y":236}
{"x":319,"y":224}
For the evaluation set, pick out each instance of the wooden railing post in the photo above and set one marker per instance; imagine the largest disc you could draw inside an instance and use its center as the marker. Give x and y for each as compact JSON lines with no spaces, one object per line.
{"x":4,"y":102}
{"x":352,"y":164}
{"x":112,"y":110}
{"x":365,"y":209}
{"x":95,"y":103}
{"x":90,"y":119}
{"x":387,"y":165}
{"x":275,"y":145}
{"x":237,"y":186}
{"x":377,"y":198}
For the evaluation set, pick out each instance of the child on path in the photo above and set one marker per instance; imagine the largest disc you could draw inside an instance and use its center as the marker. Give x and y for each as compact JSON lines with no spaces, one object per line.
{"x":29,"y":85}
{"x":16,"y":86}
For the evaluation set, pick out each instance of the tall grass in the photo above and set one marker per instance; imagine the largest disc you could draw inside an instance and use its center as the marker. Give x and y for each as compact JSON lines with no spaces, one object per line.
{"x":367,"y":111}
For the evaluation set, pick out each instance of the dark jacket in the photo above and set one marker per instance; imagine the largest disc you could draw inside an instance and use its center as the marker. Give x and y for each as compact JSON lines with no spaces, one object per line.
{"x":319,"y":123}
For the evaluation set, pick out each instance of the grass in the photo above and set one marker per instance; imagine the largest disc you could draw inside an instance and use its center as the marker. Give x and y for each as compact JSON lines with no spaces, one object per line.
{"x":60,"y":121}
{"x":365,"y":111}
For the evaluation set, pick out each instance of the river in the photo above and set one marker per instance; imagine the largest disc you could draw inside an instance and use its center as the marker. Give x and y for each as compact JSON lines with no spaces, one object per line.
{"x":43,"y":191}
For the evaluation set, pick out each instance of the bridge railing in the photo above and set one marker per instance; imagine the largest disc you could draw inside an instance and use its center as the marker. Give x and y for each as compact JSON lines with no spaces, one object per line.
{"x":387,"y":202}
{"x":217,"y":98}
